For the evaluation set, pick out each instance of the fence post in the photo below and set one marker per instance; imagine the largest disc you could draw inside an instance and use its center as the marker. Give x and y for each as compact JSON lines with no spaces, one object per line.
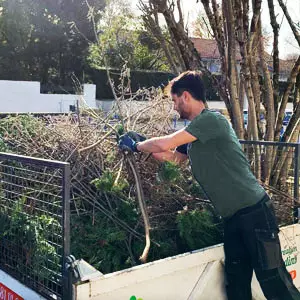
{"x":67,"y":283}
{"x":296,"y":183}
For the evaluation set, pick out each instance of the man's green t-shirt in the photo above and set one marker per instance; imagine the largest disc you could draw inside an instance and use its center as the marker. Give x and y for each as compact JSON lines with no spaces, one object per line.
{"x":219,"y":165}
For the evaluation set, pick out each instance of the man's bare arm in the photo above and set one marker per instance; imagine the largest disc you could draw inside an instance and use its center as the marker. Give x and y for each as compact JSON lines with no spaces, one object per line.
{"x":170,"y":155}
{"x":167,"y":142}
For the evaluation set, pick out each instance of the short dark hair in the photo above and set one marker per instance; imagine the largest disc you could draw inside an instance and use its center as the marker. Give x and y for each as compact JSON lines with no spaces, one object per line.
{"x":190,"y":81}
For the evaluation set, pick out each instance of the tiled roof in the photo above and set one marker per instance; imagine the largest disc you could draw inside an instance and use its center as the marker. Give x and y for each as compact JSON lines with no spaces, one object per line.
{"x":209,"y":49}
{"x":285,"y":66}
{"x":206,"y":48}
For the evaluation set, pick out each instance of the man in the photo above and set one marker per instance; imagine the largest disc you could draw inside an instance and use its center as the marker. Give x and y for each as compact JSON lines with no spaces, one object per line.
{"x":219,"y":165}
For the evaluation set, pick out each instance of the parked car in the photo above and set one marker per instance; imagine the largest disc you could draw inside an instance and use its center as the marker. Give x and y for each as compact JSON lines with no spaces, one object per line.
{"x":287,"y":115}
{"x":245,"y":113}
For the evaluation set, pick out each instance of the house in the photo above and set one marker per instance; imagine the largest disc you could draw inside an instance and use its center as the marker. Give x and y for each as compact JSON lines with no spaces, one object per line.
{"x":209,"y":52}
{"x":210,"y":55}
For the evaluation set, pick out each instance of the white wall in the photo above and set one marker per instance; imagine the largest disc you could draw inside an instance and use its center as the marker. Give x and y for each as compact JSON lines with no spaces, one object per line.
{"x":25,"y":97}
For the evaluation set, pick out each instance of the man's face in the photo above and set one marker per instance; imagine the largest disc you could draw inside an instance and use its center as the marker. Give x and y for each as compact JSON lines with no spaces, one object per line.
{"x":180,"y":105}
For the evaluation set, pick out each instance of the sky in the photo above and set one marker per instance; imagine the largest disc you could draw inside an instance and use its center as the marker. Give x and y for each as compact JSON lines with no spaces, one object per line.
{"x":287,"y":42}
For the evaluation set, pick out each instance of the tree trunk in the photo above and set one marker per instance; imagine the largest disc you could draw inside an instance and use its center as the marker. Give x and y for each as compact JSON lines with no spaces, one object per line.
{"x":275,"y":27}
{"x":297,"y":92}
{"x":284,"y":162}
{"x":270,"y":113}
{"x":253,"y":58}
{"x":284,"y":100}
{"x":238,"y":122}
{"x":292,"y":123}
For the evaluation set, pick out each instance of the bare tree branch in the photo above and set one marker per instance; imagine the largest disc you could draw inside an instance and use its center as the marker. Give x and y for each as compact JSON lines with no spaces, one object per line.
{"x":291,"y":23}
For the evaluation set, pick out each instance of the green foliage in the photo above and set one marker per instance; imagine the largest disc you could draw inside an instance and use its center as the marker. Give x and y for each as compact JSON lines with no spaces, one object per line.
{"x":123,"y":40}
{"x":169,"y":172}
{"x":38,"y":41}
{"x":99,"y":241}
{"x":31,"y":233}
{"x":196,"y":190}
{"x":26,"y":126}
{"x":106,"y":183}
{"x":23,"y":124}
{"x":198,"y":229}
{"x":111,"y":156}
{"x":3,"y":146}
{"x":105,"y":245}
{"x":120,"y":129}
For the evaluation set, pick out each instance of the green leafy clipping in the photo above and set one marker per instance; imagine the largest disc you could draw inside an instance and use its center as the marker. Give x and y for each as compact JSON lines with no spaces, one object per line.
{"x":106,"y":183}
{"x":169,"y":172}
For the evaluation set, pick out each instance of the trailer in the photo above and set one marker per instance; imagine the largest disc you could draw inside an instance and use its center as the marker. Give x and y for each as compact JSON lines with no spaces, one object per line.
{"x":198,"y":275}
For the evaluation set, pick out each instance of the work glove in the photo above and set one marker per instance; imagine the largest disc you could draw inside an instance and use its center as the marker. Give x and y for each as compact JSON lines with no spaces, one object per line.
{"x":126,"y":143}
{"x":136,"y":136}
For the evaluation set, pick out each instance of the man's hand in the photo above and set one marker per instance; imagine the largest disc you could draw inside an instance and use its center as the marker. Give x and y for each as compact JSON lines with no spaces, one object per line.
{"x":126,"y":143}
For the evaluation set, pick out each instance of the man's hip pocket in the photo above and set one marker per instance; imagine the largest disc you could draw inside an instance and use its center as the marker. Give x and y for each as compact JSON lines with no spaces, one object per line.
{"x":268,"y":249}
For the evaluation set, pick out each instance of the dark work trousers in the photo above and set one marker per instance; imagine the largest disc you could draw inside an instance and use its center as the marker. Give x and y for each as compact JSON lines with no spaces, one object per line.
{"x":251,"y":243}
